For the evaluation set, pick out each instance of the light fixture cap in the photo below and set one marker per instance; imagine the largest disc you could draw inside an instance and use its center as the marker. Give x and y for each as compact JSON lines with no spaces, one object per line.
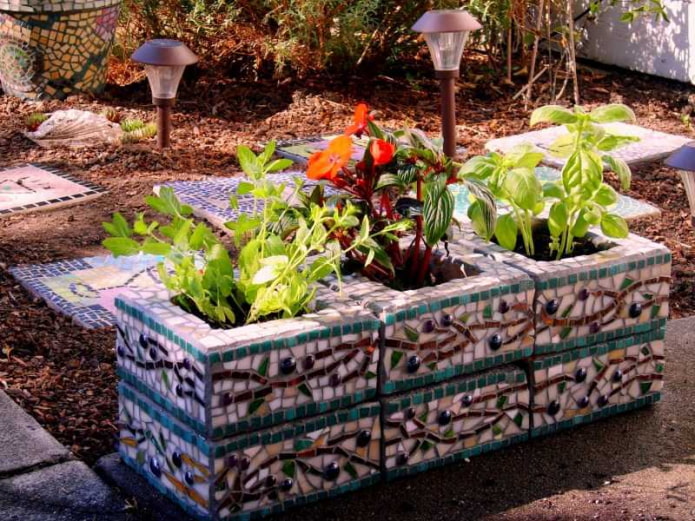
{"x":446,"y":21}
{"x":164,"y":53}
{"x":683,"y":158}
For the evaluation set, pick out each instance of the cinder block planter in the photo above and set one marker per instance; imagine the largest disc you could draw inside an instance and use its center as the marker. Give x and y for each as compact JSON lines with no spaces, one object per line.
{"x":254,"y":474}
{"x":463,"y":418}
{"x":458,"y":327}
{"x":51,"y":49}
{"x":589,"y":383}
{"x":224,"y":381}
{"x":590,"y":299}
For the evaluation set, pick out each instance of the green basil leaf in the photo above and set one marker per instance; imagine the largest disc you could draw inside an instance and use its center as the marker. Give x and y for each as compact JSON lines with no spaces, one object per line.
{"x":606,"y":196}
{"x":506,"y":231}
{"x":614,"y":226}
{"x":557,"y":219}
{"x":612,"y":113}
{"x":523,"y":188}
{"x":553,"y":114}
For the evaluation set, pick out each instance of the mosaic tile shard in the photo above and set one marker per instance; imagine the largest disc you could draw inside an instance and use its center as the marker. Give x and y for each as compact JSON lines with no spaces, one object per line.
{"x":85,"y":289}
{"x":589,"y":383}
{"x":224,"y":381}
{"x":463,"y":418}
{"x":461,"y":326}
{"x":591,"y":299}
{"x":28,"y":188}
{"x":627,"y":207}
{"x":653,"y":145}
{"x":253,"y":474}
{"x":53,"y":49}
{"x":299,"y":150}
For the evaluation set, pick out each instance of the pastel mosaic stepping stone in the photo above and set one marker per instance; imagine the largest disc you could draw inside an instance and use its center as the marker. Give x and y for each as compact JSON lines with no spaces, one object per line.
{"x":653,"y":145}
{"x":224,"y":381}
{"x":580,"y":301}
{"x":253,"y":474}
{"x":458,"y":327}
{"x":589,"y":383}
{"x":463,"y":418}
{"x":85,"y":289}
{"x":627,"y":207}
{"x":36,"y":187}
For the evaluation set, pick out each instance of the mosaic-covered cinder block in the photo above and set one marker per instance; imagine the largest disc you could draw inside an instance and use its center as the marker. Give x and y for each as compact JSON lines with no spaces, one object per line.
{"x":582,"y":385}
{"x":460,"y":419}
{"x":53,"y":49}
{"x":461,"y":326}
{"x":621,"y":290}
{"x":224,"y":381}
{"x":254,"y":474}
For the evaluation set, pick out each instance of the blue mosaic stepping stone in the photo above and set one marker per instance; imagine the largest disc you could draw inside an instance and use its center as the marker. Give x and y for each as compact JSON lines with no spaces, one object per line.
{"x":29,"y":187}
{"x":627,"y":207}
{"x":85,"y":289}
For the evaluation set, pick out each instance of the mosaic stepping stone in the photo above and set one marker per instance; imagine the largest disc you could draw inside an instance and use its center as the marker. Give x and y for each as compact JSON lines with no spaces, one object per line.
{"x":85,"y":289}
{"x":463,"y":418}
{"x":253,"y":474}
{"x":36,"y":187}
{"x":653,"y":145}
{"x":458,"y":327}
{"x":589,"y":383}
{"x":580,"y":301}
{"x":224,"y":381}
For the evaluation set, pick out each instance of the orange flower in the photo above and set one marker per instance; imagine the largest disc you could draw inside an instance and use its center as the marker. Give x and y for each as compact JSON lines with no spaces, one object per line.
{"x":327,"y":163}
{"x":361,"y":119}
{"x":381,"y":151}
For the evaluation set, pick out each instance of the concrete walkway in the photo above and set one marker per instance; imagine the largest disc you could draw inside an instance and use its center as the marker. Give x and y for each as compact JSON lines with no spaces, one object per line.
{"x":638,"y":466}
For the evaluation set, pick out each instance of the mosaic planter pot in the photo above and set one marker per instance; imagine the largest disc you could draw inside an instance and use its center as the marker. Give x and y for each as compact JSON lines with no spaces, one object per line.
{"x":458,"y":327}
{"x":460,"y":419}
{"x":56,"y":48}
{"x":590,"y":299}
{"x":224,"y":381}
{"x":255,"y":474}
{"x":589,"y":383}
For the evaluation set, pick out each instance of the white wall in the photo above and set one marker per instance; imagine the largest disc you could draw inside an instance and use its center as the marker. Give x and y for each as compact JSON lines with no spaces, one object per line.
{"x":664,"y":49}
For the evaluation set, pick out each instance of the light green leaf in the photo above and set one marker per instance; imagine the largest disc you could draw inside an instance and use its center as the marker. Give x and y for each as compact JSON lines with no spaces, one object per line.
{"x":557,"y":219}
{"x":606,"y":196}
{"x":506,"y":231}
{"x":553,"y":114}
{"x":523,"y":187}
{"x":614,"y":226}
{"x":621,"y":169}
{"x":612,"y":113}
{"x":247,"y":161}
{"x":563,"y":146}
{"x":438,"y":210}
{"x":121,"y":246}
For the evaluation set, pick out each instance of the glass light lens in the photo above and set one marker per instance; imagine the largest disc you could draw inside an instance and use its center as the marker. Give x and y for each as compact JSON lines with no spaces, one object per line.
{"x":446,"y":49}
{"x":164,"y":79}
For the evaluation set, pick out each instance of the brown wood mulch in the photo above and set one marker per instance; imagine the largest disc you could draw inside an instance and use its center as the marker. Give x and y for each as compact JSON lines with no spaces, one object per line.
{"x":64,"y":375}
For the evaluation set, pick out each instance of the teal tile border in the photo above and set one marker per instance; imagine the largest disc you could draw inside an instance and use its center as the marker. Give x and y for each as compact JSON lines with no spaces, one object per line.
{"x":599,"y":349}
{"x":259,"y":513}
{"x":537,"y":432}
{"x":588,"y":340}
{"x":392,"y":404}
{"x":255,"y":423}
{"x":371,"y":324}
{"x":396,"y":473}
{"x":518,"y":286}
{"x":390,"y":387}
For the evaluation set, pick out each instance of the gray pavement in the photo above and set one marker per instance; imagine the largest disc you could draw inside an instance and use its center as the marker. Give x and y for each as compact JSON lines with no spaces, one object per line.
{"x":636,"y":466}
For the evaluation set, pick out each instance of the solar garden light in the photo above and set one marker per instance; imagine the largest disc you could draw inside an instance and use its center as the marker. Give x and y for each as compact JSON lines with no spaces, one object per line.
{"x":164,"y":62}
{"x":446,"y":32}
{"x":684,"y":160}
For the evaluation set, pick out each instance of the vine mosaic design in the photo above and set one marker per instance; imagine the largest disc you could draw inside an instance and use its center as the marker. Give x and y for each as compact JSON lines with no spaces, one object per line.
{"x":248,"y":377}
{"x":256,"y":473}
{"x":570,"y":389}
{"x":55,"y":49}
{"x":436,"y":426}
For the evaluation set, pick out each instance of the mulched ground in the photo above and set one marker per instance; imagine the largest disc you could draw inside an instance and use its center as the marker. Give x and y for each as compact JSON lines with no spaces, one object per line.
{"x":64,"y":376}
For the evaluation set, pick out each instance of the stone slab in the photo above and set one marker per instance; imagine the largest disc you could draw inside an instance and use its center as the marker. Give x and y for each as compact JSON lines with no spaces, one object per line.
{"x":23,"y":443}
{"x":653,"y":145}
{"x":28,"y":188}
{"x":66,"y":492}
{"x":85,"y":289}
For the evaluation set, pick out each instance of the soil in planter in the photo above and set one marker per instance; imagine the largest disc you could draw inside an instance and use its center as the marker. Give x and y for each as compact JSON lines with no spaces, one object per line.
{"x":541,"y":242}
